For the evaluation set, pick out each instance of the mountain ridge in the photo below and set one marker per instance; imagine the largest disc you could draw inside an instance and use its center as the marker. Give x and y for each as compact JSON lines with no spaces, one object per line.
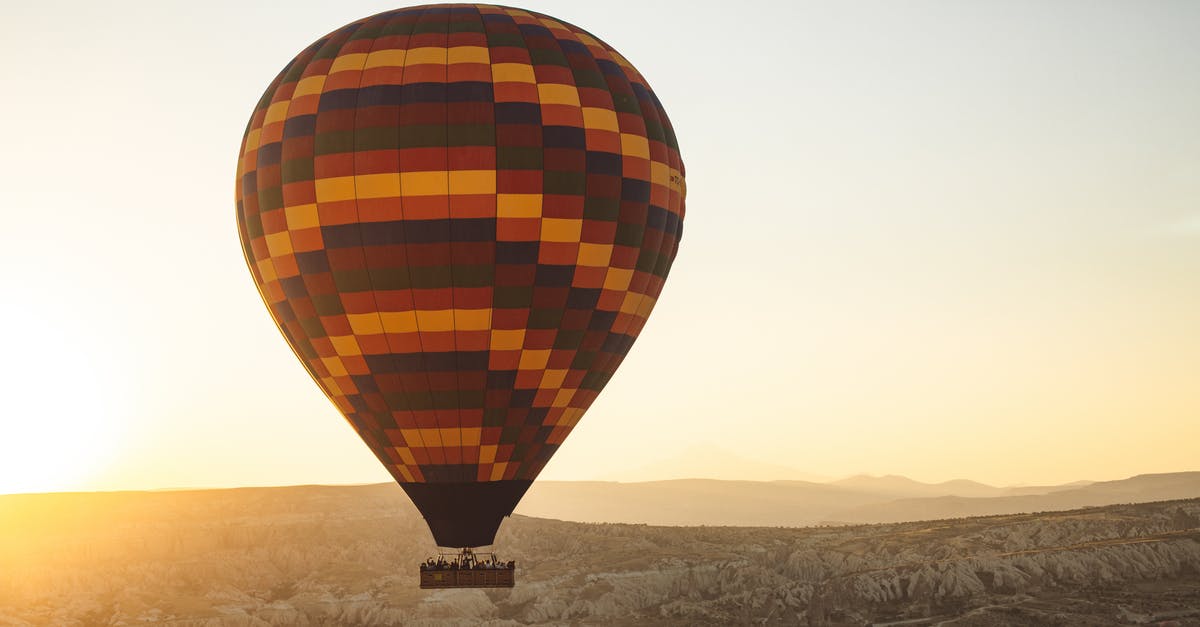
{"x":802,"y":503}
{"x":862,"y":499}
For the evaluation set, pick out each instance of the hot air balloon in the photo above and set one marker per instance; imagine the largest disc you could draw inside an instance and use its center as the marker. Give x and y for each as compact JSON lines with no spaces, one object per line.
{"x":460,"y":217}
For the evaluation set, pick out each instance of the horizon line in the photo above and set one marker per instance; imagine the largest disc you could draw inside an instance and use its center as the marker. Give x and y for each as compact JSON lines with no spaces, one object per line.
{"x":546,"y":481}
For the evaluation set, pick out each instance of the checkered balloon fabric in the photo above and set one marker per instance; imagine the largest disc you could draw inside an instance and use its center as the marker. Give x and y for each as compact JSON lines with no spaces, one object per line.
{"x":460,"y":217}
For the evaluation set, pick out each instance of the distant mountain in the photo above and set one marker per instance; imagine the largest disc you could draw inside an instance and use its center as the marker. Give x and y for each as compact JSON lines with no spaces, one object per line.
{"x":861,"y":499}
{"x":1139,"y":489}
{"x":903,"y":487}
{"x":1044,"y":489}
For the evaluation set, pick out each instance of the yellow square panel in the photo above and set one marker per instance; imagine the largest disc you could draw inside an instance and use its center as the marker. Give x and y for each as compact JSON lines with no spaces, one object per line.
{"x":518,"y":205}
{"x":554,"y":93}
{"x":602,"y":119}
{"x":594,"y":255}
{"x":617,"y":279}
{"x":365,"y":324}
{"x":434,"y":183}
{"x":345,"y":62}
{"x":631,"y":302}
{"x":513,"y":73}
{"x":266,"y":269}
{"x":398,"y":321}
{"x":435,"y":320}
{"x":468,"y":54}
{"x":335,"y":366}
{"x":332,"y":386}
{"x":552,"y":379}
{"x":487,"y":453}
{"x":450,"y":437}
{"x":279,"y":244}
{"x":563,"y":398}
{"x":498,"y":471}
{"x":335,"y":189}
{"x":377,"y":185}
{"x":646,"y":306}
{"x":276,"y":112}
{"x":345,"y":345}
{"x":385,"y":58}
{"x":252,"y":139}
{"x":534,"y":359}
{"x":472,"y":181}
{"x":635,"y":145}
{"x":561,"y":229}
{"x":472,"y":319}
{"x":301,"y":217}
{"x":433,"y":437}
{"x":415,"y":438}
{"x":309,"y":86}
{"x":470,"y":436}
{"x":420,"y":56}
{"x":570,"y":417}
{"x":660,"y":173}
{"x":507,"y":339}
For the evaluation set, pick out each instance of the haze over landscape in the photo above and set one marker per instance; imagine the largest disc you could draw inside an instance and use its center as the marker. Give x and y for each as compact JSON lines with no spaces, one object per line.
{"x":311,"y":555}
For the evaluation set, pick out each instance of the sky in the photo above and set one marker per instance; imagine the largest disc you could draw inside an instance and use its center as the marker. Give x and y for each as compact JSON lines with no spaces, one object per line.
{"x":933,"y":238}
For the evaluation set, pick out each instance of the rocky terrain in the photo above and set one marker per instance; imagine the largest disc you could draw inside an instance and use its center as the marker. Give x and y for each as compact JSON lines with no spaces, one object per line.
{"x":315,"y":555}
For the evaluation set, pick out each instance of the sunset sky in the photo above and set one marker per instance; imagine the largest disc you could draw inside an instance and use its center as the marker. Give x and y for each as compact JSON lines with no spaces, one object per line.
{"x":933,"y":238}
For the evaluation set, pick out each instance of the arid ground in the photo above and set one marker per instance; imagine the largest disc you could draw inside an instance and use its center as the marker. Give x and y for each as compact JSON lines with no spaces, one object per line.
{"x":314,"y":555}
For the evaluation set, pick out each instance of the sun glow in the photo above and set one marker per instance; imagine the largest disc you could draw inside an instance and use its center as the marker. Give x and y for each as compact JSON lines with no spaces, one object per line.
{"x":56,"y":427}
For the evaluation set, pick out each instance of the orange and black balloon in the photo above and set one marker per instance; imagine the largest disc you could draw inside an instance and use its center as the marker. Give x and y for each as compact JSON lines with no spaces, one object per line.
{"x":460,"y":217}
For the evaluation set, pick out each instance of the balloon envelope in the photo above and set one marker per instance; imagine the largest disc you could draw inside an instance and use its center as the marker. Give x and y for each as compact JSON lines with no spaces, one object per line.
{"x":460,"y":218}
